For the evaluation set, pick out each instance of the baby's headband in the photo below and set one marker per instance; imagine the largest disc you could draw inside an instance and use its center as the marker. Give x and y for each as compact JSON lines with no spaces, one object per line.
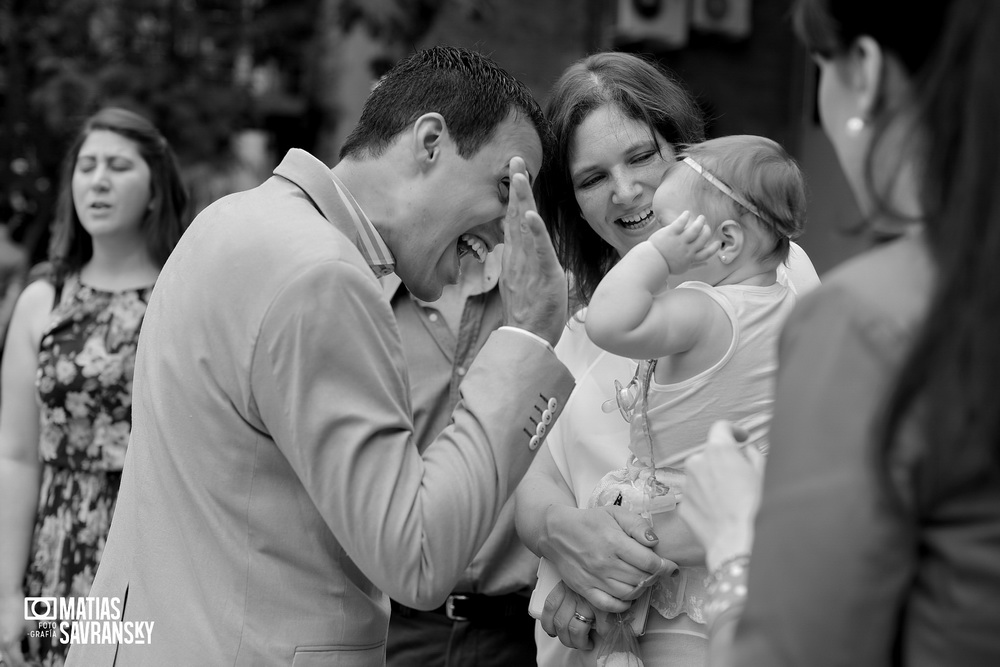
{"x":728,"y":191}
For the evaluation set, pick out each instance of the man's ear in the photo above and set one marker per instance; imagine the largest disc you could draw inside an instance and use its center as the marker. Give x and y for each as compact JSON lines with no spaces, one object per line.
{"x":732,"y":239}
{"x":428,"y":136}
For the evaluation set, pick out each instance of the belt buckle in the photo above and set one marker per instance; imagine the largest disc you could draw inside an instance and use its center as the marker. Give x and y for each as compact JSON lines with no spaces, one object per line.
{"x":449,"y":607}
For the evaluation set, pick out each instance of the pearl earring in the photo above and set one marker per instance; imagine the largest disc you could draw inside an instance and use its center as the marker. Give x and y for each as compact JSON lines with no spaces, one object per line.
{"x":854,"y":125}
{"x":723,"y":258}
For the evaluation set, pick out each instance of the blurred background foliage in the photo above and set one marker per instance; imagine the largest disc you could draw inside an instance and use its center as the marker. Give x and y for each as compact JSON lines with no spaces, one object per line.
{"x":205,"y":71}
{"x":233,"y":84}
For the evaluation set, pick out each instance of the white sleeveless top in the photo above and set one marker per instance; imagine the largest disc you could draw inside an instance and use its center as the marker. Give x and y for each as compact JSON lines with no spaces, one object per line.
{"x":677,"y":417}
{"x":739,"y":387}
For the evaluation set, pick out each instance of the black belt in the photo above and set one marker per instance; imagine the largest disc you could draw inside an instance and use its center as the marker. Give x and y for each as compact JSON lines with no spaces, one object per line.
{"x":477,"y":609}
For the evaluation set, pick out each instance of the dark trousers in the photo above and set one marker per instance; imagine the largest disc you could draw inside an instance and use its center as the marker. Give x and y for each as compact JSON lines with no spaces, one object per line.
{"x":430,"y":639}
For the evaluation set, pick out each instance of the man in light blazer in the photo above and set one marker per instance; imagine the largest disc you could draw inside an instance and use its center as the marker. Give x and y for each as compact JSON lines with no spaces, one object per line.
{"x":272,"y":494}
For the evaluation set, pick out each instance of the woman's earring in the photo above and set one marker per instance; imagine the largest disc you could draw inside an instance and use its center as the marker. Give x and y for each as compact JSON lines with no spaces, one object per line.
{"x":854,"y":125}
{"x":723,"y":258}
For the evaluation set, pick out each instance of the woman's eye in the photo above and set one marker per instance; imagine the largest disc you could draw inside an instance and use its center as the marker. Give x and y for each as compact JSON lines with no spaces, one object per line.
{"x":589,"y":181}
{"x":644,"y":157}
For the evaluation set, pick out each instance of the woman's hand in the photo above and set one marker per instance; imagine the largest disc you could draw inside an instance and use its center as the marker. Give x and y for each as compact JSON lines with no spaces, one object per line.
{"x":722,"y":494}
{"x":568,"y":616}
{"x":604,"y":554}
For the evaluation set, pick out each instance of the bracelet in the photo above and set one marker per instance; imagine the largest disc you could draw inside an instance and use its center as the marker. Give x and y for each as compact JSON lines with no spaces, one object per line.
{"x":740,"y":561}
{"x":726,"y":586}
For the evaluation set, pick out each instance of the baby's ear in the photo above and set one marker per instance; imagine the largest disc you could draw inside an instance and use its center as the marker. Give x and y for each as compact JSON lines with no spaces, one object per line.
{"x":731,"y":239}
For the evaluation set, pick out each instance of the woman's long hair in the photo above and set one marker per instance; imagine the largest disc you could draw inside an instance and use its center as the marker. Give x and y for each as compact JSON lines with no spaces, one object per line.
{"x":952,"y":371}
{"x":167,"y":218}
{"x":640,"y":90}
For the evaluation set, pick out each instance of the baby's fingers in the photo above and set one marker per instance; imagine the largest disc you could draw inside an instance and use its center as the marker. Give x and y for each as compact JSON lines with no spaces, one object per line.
{"x":678,"y":224}
{"x":695,"y":230}
{"x":705,"y":253}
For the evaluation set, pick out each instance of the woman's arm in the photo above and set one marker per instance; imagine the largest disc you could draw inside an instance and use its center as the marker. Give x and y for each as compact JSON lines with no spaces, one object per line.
{"x":602,"y":553}
{"x":633,"y":314}
{"x":19,"y":464}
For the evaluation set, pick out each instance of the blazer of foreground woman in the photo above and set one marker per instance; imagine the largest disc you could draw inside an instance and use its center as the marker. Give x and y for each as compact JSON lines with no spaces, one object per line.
{"x":271,"y":489}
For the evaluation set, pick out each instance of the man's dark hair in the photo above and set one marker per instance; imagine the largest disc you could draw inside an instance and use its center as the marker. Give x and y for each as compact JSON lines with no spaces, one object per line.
{"x":471,"y":92}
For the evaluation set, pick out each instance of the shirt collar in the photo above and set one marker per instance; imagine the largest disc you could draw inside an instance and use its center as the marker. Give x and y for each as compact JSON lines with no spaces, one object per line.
{"x":314,"y":177}
{"x":370,"y":242}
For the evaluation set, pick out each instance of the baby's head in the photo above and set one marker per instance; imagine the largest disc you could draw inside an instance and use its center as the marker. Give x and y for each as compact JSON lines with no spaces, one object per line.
{"x":750,"y":191}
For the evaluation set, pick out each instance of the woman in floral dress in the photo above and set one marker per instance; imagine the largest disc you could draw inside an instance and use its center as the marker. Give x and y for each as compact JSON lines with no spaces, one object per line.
{"x":65,"y":413}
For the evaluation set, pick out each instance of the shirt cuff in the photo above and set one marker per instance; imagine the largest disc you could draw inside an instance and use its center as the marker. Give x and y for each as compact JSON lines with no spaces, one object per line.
{"x":530,"y":335}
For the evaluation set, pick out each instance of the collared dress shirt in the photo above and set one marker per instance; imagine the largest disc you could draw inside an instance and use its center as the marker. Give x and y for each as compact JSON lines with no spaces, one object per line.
{"x":438,"y":360}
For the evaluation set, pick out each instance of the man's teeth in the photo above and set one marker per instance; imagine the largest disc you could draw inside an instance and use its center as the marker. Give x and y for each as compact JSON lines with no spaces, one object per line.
{"x":473,"y":244}
{"x":637,"y":218}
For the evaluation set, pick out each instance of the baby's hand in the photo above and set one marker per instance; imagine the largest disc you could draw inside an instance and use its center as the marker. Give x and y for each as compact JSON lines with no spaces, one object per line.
{"x":685,"y":243}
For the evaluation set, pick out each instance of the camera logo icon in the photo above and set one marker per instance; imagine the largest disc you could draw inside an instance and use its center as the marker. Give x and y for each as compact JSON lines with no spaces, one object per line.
{"x":40,"y":609}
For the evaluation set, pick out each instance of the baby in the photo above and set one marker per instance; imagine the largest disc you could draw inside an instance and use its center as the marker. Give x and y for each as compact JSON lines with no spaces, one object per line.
{"x":701,"y":305}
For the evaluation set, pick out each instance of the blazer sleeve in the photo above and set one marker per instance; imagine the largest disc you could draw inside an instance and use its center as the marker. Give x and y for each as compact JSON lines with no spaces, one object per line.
{"x":330,"y":384}
{"x":831,"y":562}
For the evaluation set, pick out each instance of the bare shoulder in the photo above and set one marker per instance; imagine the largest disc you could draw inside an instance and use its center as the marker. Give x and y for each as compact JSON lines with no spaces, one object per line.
{"x":38,"y":294}
{"x":32,"y":310}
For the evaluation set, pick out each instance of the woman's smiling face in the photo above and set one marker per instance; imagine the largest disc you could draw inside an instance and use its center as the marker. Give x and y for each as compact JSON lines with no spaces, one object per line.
{"x":615,"y":165}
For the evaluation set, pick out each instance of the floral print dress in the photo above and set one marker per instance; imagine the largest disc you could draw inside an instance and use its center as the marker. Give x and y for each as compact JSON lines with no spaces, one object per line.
{"x":84,"y":382}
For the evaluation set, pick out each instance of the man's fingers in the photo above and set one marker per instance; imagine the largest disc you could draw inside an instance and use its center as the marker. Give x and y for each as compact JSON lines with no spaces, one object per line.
{"x":540,"y":246}
{"x":518,"y":230}
{"x":521,"y":187}
{"x":512,"y":231}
